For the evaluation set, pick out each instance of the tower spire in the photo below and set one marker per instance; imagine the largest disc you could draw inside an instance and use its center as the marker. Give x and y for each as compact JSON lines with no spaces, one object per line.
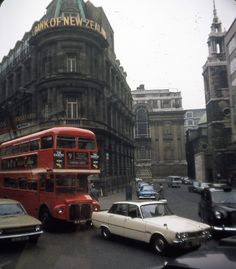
{"x":215,"y":17}
{"x":216,"y":23}
{"x":214,"y":9}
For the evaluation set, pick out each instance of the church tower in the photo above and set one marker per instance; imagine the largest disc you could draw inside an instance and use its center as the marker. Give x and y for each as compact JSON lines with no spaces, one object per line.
{"x":217,"y":98}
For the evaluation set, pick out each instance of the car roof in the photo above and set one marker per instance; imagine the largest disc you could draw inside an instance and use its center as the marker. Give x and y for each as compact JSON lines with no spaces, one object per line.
{"x":140,"y":203}
{"x":8,"y":201}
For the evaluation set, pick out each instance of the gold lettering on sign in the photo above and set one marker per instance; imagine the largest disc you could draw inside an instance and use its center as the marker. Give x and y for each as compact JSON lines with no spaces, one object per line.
{"x":79,"y":21}
{"x":53,"y":22}
{"x":69,"y":21}
{"x":58,"y":21}
{"x":72,"y":21}
{"x":66,"y":21}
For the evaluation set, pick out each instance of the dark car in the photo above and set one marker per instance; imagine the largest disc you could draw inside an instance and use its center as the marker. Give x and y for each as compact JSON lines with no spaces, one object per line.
{"x":193,"y":186}
{"x":147,"y":192}
{"x":217,"y":208}
{"x":198,"y":187}
{"x":217,"y":257}
{"x":214,"y":258}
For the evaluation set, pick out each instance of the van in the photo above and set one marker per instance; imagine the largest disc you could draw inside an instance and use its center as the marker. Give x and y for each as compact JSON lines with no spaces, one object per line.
{"x":174,"y":181}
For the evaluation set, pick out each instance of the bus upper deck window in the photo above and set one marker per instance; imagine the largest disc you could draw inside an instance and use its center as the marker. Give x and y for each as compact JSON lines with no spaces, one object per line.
{"x":46,"y":142}
{"x":85,"y":143}
{"x":34,"y":145}
{"x":65,"y":142}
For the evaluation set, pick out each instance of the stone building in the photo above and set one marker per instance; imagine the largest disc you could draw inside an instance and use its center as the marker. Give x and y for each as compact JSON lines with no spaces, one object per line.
{"x":217,"y":101}
{"x":159,"y":133}
{"x":197,"y":150}
{"x":64,"y":71}
{"x":192,"y":117}
{"x":230,"y":44}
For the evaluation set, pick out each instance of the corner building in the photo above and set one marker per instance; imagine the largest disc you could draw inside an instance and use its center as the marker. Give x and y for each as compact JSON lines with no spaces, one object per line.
{"x":64,"y":72}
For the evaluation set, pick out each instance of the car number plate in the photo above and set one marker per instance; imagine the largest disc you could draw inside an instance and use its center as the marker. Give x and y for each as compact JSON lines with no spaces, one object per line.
{"x":194,"y":243}
{"x":20,"y":238}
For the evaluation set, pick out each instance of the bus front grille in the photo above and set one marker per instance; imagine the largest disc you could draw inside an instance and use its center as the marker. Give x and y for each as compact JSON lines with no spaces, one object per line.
{"x":80,"y":212}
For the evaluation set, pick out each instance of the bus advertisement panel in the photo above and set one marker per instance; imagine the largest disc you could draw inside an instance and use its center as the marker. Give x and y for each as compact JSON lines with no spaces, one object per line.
{"x":48,"y":173}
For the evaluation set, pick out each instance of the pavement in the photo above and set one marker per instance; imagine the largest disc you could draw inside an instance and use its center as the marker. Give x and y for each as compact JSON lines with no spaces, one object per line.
{"x":107,"y":201}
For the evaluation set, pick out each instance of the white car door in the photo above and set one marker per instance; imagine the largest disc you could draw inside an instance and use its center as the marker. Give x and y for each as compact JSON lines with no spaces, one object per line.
{"x":117,"y":218}
{"x":134,"y":226}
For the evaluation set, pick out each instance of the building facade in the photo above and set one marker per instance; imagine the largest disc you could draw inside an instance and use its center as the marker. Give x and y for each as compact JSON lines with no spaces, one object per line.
{"x":230,"y":44}
{"x":159,"y":133}
{"x":197,"y":150}
{"x":64,"y":72}
{"x":192,"y":118}
{"x":217,"y":100}
{"x":211,"y":147}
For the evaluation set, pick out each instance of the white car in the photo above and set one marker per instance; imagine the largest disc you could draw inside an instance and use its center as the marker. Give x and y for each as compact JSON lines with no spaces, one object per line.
{"x":151,"y":222}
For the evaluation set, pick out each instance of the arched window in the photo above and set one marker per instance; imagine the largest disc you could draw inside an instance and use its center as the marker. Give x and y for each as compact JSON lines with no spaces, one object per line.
{"x":141,"y":123}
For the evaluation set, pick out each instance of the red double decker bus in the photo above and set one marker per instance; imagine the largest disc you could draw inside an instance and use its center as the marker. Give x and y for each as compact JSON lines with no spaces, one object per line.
{"x":48,"y":173}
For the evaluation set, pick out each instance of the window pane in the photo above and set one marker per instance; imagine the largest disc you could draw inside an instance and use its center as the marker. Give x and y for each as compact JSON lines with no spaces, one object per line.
{"x":86,"y":143}
{"x":71,"y":64}
{"x":65,"y":142}
{"x":46,"y":142}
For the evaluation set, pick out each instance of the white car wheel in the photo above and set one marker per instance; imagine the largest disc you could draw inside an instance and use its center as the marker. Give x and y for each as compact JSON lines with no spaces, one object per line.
{"x":105,"y":233}
{"x":159,"y":244}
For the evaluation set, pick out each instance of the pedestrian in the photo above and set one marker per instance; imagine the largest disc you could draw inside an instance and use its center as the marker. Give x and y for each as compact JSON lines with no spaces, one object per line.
{"x":161,"y":192}
{"x":91,"y":186}
{"x":94,"y":193}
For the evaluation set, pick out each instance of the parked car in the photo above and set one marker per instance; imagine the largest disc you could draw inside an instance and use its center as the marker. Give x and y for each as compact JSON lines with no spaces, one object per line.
{"x":147,"y":192}
{"x":16,"y":225}
{"x":214,"y":258}
{"x":202,"y":186}
{"x":193,"y":186}
{"x":187,"y":181}
{"x":197,"y":186}
{"x":151,"y":222}
{"x":139,"y":186}
{"x":137,"y":179}
{"x":217,"y":208}
{"x":174,"y":181}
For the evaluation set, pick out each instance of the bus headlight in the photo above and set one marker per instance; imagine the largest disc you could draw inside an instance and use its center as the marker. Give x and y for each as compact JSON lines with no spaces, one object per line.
{"x":59,"y":210}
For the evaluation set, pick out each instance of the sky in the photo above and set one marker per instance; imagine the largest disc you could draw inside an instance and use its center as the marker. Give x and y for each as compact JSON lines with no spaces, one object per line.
{"x":160,"y":43}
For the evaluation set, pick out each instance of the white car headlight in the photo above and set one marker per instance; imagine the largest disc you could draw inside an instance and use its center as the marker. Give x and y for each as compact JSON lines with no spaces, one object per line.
{"x":182,"y":235}
{"x":37,"y":228}
{"x":206,"y":233}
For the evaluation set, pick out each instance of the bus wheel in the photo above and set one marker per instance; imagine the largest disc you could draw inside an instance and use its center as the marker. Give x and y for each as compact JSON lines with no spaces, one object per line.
{"x":46,"y":219}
